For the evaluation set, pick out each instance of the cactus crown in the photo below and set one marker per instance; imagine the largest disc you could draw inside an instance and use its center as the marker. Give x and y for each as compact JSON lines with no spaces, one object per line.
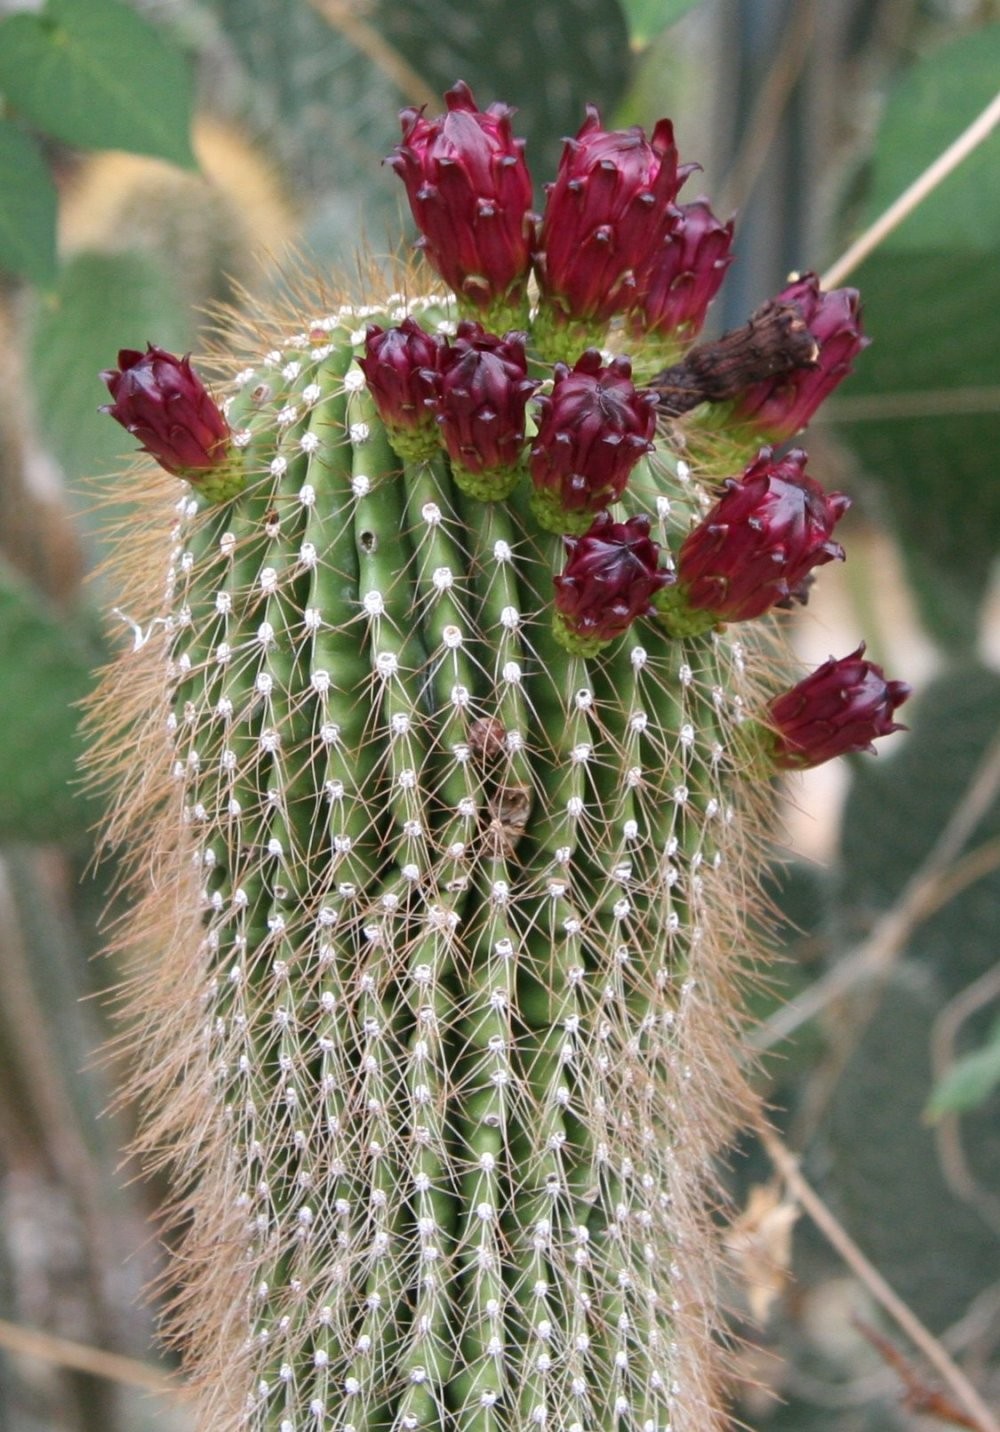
{"x":441,"y":913}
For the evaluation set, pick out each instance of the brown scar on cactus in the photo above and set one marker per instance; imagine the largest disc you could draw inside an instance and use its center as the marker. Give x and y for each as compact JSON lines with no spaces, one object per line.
{"x":439,"y":930}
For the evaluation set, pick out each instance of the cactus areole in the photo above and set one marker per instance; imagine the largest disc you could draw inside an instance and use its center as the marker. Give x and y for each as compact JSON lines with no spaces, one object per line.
{"x":444,"y":840}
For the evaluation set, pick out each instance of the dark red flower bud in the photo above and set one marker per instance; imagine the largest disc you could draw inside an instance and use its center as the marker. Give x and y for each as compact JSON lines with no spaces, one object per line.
{"x":401,"y":366}
{"x":781,"y":407}
{"x":606,"y":215}
{"x":470,"y":195}
{"x":160,"y":399}
{"x":609,"y":579}
{"x":484,"y":392}
{"x":756,"y":547}
{"x":679,"y":281}
{"x":593,"y":429}
{"x":843,"y":706}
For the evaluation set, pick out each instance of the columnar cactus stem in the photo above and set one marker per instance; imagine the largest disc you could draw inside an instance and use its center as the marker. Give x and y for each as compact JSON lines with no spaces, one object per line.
{"x":442,"y":1034}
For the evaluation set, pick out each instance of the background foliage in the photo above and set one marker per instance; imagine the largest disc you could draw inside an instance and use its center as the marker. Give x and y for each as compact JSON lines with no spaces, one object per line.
{"x":156,"y":157}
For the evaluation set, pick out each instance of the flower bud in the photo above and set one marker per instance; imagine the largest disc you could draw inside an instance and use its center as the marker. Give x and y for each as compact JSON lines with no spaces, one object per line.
{"x":160,"y":399}
{"x":843,"y":706}
{"x":781,"y":407}
{"x":756,"y":547}
{"x":401,"y":367}
{"x":609,"y":579}
{"x":678,"y":282}
{"x":593,"y":429}
{"x":607,"y":214}
{"x":470,"y":194}
{"x":484,"y":392}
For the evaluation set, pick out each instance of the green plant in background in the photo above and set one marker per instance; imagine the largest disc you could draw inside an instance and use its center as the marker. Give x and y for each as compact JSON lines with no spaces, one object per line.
{"x":446,"y":785}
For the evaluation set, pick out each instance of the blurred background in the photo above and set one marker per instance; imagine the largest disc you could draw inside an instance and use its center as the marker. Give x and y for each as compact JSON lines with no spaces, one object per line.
{"x":160,"y":156}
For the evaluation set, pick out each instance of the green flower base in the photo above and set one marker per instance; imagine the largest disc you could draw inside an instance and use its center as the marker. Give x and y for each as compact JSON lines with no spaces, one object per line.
{"x":571,"y":641}
{"x":550,"y":514}
{"x":414,"y":444}
{"x":560,"y":339}
{"x":677,"y":617}
{"x":493,"y":486}
{"x":219,"y":484}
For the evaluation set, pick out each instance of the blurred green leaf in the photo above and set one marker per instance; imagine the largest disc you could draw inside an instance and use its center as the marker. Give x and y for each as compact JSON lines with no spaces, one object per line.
{"x":44,"y":673}
{"x":935,"y":100}
{"x":970,"y":1080}
{"x":102,"y":303}
{"x":28,"y":211}
{"x":546,"y":57}
{"x":95,"y":74}
{"x":935,"y":318}
{"x":647,"y":18}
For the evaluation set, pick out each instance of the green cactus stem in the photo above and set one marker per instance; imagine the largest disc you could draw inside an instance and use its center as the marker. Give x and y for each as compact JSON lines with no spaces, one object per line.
{"x":440,"y":939}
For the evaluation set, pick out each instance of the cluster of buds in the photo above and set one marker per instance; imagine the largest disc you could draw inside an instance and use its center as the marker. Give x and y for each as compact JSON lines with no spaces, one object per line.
{"x":471,"y":396}
{"x":468,"y":397}
{"x":613,"y":243}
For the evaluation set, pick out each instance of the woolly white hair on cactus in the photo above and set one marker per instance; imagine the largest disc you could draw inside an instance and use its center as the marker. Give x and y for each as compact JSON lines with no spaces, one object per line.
{"x":445,"y":799}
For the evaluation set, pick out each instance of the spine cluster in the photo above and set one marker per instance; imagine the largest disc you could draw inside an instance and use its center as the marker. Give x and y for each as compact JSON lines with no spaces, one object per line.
{"x":446,"y":827}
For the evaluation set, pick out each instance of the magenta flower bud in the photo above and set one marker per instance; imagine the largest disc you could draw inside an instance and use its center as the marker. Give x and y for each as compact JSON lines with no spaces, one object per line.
{"x":481,"y":410}
{"x":843,"y":706}
{"x":781,"y":407}
{"x":608,"y":212}
{"x":610,"y":577}
{"x":679,"y":280}
{"x":756,"y":547}
{"x":160,"y":399}
{"x":470,"y":194}
{"x":593,"y":429}
{"x":401,"y":366}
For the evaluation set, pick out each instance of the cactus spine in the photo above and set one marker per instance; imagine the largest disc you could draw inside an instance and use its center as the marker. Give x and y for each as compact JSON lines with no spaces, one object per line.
{"x":441,"y":1027}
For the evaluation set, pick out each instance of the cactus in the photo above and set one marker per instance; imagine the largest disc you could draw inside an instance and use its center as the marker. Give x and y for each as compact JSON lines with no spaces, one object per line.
{"x":441,"y":895}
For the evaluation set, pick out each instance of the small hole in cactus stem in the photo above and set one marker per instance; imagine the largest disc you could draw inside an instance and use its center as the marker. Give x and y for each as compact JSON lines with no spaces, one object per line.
{"x":369,"y":542}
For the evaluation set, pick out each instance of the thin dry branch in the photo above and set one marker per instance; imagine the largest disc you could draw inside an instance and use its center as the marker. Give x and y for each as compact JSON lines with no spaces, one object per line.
{"x":62,"y":1352}
{"x":342,"y":15}
{"x":913,"y":196}
{"x":927,"y":403}
{"x":837,"y":1236}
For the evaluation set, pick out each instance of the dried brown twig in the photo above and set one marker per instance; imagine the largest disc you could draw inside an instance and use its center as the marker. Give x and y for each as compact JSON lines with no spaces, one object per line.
{"x":917,"y":1397}
{"x":912,"y":197}
{"x":837,"y":1236}
{"x":62,"y":1352}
